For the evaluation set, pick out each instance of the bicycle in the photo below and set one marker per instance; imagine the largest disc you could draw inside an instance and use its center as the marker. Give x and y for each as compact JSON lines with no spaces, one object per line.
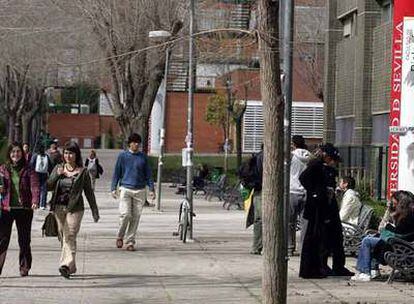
{"x":183,"y":220}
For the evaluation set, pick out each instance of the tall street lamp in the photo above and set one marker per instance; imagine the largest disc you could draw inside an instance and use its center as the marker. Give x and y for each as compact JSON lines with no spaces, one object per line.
{"x":162,"y":35}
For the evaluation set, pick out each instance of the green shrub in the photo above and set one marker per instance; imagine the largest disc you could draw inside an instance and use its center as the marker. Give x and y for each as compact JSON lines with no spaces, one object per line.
{"x":379,"y":210}
{"x":172,"y":165}
{"x":364,"y":189}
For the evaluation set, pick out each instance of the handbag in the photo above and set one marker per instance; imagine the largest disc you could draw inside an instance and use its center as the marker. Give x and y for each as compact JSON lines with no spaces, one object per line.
{"x":50,"y":226}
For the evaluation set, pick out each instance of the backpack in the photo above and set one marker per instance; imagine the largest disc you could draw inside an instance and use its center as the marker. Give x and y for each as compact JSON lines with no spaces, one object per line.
{"x":50,"y":226}
{"x":42,"y":164}
{"x":249,"y":174}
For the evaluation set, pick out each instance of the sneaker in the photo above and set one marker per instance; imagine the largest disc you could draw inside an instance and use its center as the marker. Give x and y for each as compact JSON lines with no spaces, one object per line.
{"x":119,"y":243}
{"x":256,"y":252}
{"x":64,"y":272}
{"x":361,"y":277}
{"x":42,"y":208}
{"x":130,"y":248}
{"x":375,"y":273}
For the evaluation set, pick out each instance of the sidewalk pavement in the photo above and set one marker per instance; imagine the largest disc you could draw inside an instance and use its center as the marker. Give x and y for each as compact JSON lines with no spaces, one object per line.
{"x":215,"y":268}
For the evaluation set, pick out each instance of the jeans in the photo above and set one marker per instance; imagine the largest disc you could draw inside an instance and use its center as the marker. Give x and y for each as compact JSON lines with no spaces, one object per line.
{"x":23,"y":218}
{"x":43,"y":188}
{"x":297,"y":201}
{"x":257,"y":225}
{"x":364,"y":263}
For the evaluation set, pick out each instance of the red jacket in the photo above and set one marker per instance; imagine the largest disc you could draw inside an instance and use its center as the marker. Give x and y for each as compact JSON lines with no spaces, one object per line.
{"x":28,"y":188}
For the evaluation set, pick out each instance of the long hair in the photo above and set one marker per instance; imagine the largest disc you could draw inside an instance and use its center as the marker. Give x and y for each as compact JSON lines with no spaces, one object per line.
{"x":405,"y":205}
{"x":13,"y":145}
{"x":73,"y":147}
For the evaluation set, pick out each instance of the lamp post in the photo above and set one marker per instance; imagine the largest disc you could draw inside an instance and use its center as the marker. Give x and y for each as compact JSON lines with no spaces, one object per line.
{"x":229,"y":110}
{"x":162,"y":35}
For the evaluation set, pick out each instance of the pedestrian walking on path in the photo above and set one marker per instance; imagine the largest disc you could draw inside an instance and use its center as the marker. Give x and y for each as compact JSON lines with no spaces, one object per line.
{"x":132,"y":174}
{"x":68,"y":181}
{"x":19,"y":190}
{"x":54,"y":153}
{"x":94,"y":167}
{"x":42,"y":165}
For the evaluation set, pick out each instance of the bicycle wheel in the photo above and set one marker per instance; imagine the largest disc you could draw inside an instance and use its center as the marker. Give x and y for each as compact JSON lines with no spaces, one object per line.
{"x":184,"y":227}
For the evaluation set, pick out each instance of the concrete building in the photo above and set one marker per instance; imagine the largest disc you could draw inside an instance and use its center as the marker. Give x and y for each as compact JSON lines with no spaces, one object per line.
{"x":357,"y":72}
{"x":357,"y":87}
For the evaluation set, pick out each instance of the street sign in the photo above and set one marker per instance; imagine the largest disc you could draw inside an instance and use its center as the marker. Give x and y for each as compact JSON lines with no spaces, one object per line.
{"x":401,"y":138}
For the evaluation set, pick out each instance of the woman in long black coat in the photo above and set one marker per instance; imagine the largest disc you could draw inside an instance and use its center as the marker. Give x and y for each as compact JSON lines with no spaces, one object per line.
{"x":323,"y":232}
{"x":315,"y":213}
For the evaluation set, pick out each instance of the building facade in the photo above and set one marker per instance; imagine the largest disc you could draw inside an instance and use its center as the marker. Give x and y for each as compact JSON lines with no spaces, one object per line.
{"x":357,"y":72}
{"x":357,"y":87}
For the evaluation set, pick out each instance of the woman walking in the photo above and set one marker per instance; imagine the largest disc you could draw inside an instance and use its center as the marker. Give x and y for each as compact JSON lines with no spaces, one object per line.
{"x":19,"y":190}
{"x":68,"y":181}
{"x":94,"y":167}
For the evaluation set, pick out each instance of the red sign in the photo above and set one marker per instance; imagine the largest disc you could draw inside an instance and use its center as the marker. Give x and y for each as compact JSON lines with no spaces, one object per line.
{"x":402,"y":10}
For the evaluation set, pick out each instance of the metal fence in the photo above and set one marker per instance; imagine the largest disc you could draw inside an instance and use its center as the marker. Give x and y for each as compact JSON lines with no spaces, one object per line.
{"x":368,"y":165}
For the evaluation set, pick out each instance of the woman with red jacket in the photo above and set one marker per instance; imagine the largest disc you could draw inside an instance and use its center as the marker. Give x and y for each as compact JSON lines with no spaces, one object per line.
{"x":19,"y":189}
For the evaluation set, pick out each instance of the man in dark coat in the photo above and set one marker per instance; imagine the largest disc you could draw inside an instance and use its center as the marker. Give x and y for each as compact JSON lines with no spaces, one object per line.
{"x":323,"y":233}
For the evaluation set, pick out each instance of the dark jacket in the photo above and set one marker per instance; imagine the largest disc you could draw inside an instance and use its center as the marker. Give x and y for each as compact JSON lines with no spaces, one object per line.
{"x":98,"y":167}
{"x":404,"y":230}
{"x":81,"y":184}
{"x":28,"y":187}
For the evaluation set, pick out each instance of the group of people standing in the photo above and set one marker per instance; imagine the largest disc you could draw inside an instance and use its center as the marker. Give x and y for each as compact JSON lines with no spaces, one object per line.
{"x":322,"y":207}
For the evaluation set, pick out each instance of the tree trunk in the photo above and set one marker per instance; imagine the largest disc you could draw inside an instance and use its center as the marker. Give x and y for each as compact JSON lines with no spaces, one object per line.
{"x":18,"y":129}
{"x":26,"y":128}
{"x":11,"y":127}
{"x":274,"y":277}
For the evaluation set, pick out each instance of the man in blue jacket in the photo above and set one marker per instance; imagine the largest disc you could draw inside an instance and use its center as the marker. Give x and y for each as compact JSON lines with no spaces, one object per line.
{"x":132,"y":174}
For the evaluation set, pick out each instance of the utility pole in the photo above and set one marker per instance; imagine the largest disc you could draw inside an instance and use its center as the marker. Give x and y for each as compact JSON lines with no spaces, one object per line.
{"x":288,"y":21}
{"x":190,"y":117}
{"x":162,"y":130}
{"x":229,"y":110}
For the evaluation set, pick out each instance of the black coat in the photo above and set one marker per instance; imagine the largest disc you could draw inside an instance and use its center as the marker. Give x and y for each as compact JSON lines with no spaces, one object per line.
{"x":316,"y":179}
{"x":98,"y":166}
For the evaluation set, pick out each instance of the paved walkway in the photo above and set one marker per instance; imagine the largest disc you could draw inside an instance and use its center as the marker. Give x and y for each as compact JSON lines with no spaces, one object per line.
{"x":215,"y":269}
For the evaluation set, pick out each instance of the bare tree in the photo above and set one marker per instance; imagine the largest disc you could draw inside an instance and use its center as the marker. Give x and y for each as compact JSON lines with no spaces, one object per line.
{"x":274,"y":277}
{"x":31,"y":35}
{"x":121,"y":31}
{"x":309,"y":44}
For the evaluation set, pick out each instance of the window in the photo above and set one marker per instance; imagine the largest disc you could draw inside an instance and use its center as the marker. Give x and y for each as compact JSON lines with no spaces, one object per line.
{"x":350,"y":24}
{"x":344,"y":131}
{"x":380,"y":129}
{"x":307,"y":120}
{"x":386,"y":14}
